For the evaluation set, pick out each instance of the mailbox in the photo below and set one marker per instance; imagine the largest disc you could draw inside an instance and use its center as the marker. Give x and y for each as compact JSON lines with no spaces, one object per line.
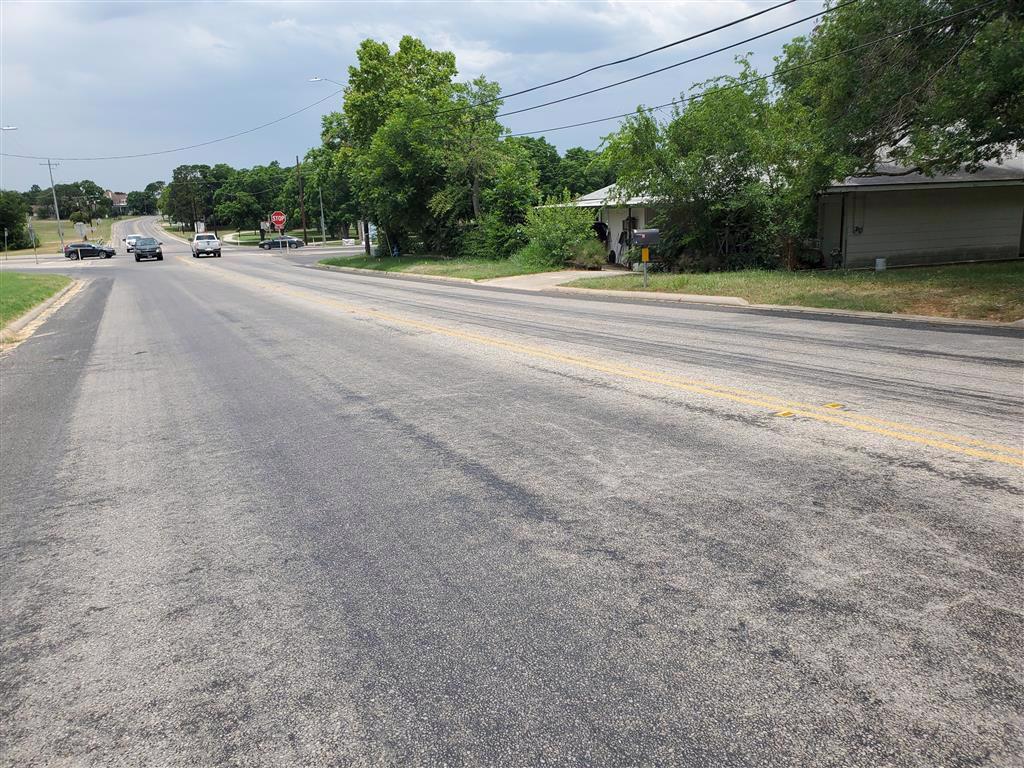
{"x":646,"y":237}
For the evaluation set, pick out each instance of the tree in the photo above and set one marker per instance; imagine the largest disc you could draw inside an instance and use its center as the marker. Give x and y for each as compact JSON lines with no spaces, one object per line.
{"x":13,"y":215}
{"x":727,"y":171}
{"x":946,"y":95}
{"x":545,"y":157}
{"x":141,"y":203}
{"x":500,"y":232}
{"x":584,"y":170}
{"x":472,"y":148}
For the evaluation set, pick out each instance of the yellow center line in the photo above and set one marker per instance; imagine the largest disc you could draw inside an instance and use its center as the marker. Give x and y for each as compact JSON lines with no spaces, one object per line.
{"x":869,"y":424}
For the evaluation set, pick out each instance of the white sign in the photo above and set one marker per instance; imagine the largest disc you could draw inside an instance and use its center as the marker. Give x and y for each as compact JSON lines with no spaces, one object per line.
{"x":80,"y":228}
{"x":200,"y":226}
{"x":264,"y":225}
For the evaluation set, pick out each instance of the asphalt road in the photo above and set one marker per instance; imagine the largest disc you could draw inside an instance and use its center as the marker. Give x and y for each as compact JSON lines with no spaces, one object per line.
{"x":256,"y":513}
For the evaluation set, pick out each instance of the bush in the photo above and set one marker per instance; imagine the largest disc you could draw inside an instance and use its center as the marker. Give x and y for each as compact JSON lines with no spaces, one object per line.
{"x":589,"y":254}
{"x":555,"y":231}
{"x":493,"y":238}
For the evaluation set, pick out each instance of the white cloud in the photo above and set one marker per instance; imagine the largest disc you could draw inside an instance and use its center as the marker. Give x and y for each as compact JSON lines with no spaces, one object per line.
{"x":149,"y":61}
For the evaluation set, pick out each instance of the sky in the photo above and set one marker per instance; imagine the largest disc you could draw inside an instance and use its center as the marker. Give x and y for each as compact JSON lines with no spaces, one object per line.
{"x":94,"y":79}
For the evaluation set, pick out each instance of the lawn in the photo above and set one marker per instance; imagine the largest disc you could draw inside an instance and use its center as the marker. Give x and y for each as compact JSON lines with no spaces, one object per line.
{"x":49,"y":239}
{"x":969,"y":291}
{"x":20,"y":292}
{"x":471,"y":269}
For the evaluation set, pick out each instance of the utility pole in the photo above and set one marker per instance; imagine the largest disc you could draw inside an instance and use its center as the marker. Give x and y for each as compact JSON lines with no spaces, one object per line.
{"x":302,"y":199}
{"x":56,"y":209}
{"x":192,"y":194}
{"x":323,"y":228}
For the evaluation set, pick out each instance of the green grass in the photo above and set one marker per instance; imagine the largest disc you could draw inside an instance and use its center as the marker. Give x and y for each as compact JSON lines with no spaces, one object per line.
{"x":49,"y":239}
{"x":20,"y":292}
{"x":968,"y":291}
{"x":472,"y":269}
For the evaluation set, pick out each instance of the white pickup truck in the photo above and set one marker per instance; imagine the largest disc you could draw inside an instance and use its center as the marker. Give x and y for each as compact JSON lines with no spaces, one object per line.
{"x":205,"y":242}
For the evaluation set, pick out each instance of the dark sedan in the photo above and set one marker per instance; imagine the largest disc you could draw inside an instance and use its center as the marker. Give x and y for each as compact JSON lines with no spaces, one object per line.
{"x":77,"y":251}
{"x":148,"y":248}
{"x":281,"y":242}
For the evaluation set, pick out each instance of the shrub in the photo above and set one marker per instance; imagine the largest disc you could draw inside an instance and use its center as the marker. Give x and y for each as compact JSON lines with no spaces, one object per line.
{"x":555,"y":230}
{"x":493,"y":238}
{"x":588,"y":254}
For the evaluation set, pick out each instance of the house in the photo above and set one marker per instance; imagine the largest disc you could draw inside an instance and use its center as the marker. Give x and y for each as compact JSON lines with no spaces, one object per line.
{"x":119,"y":202}
{"x":620,"y":215}
{"x":912,"y":219}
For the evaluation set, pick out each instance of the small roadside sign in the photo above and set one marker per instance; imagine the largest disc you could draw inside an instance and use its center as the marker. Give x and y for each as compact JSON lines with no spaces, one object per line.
{"x":277,"y":218}
{"x":80,"y":228}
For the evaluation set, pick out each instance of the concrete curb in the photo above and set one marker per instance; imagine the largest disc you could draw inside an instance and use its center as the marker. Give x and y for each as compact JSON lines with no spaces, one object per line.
{"x":852,"y":313}
{"x":690,"y":298}
{"x":398,"y":275}
{"x":11,"y":331}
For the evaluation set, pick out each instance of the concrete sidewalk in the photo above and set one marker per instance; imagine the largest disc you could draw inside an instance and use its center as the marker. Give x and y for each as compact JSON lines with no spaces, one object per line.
{"x":542,"y":281}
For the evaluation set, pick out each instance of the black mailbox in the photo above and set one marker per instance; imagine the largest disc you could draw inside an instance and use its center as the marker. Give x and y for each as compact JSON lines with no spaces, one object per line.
{"x":646,"y":237}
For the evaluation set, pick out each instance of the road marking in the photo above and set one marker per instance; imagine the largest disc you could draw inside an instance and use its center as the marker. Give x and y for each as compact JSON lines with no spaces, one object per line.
{"x":860,"y":422}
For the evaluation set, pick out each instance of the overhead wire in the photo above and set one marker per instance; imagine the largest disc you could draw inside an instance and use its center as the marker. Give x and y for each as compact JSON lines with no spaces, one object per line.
{"x":180,"y":149}
{"x":751,"y":81}
{"x":678,"y":63}
{"x":521,"y":92}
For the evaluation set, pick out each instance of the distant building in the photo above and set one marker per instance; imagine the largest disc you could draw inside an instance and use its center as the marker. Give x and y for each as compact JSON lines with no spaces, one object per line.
{"x":916,"y":219}
{"x":119,"y":201}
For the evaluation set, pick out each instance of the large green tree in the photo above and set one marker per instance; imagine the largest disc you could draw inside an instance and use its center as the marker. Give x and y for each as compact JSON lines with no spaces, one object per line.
{"x":725,"y":170}
{"x":13,"y":216}
{"x":948,"y":94}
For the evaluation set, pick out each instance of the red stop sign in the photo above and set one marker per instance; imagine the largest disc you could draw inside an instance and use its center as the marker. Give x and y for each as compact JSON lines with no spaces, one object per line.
{"x":277,"y":218}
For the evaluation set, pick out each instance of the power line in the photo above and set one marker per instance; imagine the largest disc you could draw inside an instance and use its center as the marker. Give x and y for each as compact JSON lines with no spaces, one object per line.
{"x":596,"y":67}
{"x":190,"y":146}
{"x":679,"y":63}
{"x":750,"y":81}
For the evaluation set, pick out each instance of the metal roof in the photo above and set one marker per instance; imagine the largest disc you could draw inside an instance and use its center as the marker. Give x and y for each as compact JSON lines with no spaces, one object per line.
{"x":608,"y":196}
{"x":1009,"y":172}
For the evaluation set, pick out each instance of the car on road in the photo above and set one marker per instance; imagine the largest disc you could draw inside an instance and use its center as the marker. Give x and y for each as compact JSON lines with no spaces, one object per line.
{"x":148,"y":248}
{"x":84,"y":250}
{"x":281,"y":242}
{"x":130,"y":241}
{"x":205,"y":242}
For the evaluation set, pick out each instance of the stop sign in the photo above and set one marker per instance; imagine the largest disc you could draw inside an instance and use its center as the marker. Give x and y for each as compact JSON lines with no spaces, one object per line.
{"x":277,"y":218}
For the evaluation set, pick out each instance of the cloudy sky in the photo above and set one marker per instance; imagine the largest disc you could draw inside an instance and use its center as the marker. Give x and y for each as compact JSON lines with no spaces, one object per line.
{"x":87,"y":79}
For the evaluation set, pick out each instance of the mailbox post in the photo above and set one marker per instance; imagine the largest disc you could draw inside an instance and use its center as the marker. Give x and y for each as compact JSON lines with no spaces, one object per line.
{"x":645,"y":238}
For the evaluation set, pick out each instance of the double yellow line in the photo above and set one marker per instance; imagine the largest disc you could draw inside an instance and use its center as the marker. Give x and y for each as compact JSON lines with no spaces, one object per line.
{"x":831,"y":413}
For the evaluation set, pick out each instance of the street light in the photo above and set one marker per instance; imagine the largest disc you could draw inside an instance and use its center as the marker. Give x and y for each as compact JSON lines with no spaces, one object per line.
{"x":318,"y":79}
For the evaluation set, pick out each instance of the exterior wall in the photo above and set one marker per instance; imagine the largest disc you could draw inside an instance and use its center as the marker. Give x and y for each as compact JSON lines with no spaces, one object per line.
{"x":615,"y":219}
{"x":830,"y":223}
{"x":924,"y":226}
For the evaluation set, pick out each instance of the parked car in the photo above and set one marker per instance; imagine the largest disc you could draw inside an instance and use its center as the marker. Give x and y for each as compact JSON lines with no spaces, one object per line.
{"x":77,"y":251}
{"x":130,"y":241}
{"x":205,"y":242}
{"x":281,"y":242}
{"x":148,"y":248}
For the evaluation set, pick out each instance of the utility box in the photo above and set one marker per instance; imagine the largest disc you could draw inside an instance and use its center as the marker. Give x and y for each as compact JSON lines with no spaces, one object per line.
{"x":646,"y":237}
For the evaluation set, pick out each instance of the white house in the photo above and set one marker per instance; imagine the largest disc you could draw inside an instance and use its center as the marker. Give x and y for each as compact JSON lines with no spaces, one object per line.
{"x":621,"y":216}
{"x":915,"y":219}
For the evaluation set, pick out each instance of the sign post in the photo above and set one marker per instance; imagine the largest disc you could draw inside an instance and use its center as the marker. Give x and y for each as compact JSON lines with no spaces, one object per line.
{"x":645,"y":238}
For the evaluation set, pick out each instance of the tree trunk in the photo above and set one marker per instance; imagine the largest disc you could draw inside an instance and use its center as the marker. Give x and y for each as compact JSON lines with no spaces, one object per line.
{"x":476,"y":197}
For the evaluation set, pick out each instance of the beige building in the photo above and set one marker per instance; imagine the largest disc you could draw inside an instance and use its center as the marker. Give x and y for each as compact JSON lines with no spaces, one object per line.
{"x":916,"y":219}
